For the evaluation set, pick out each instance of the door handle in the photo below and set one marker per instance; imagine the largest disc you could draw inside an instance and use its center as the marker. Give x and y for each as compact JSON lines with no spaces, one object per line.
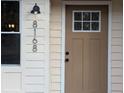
{"x":66,"y":60}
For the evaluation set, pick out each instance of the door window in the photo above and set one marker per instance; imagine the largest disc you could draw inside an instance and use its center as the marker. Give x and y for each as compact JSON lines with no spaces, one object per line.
{"x":86,"y":21}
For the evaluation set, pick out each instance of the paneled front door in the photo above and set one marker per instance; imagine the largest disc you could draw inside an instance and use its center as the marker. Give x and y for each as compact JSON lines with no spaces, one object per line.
{"x":86,"y":49}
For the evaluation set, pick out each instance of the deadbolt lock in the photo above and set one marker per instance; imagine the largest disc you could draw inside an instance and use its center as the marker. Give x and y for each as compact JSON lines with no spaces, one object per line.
{"x":67,"y":53}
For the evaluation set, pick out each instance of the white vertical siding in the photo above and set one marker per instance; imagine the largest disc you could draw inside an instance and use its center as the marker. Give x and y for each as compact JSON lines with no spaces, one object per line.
{"x":35,"y":65}
{"x":117,"y":30}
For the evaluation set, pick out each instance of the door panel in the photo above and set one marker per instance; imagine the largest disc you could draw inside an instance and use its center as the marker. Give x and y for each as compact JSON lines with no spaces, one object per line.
{"x":86,"y":69}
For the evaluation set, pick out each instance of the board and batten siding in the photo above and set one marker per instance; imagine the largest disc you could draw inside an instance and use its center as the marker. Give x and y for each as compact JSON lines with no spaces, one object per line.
{"x":117,"y":46}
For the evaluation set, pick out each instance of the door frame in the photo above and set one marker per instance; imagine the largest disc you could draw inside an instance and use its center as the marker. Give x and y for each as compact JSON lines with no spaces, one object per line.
{"x":109,"y":3}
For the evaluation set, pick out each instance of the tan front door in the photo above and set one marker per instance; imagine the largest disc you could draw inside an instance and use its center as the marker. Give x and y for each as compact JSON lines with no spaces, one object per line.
{"x":86,"y":49}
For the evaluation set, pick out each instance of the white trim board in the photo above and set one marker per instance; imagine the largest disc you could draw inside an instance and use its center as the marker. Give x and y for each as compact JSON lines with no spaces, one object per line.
{"x":109,"y":3}
{"x":86,"y":2}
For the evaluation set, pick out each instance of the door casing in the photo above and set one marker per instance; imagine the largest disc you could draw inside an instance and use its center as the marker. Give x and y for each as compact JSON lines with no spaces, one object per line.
{"x":64,"y":3}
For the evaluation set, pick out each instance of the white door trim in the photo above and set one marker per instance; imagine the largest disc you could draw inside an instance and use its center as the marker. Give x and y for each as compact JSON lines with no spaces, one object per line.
{"x":109,"y":3}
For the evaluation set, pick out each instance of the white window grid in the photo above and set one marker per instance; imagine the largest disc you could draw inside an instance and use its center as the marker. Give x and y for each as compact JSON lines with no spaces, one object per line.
{"x":90,"y":11}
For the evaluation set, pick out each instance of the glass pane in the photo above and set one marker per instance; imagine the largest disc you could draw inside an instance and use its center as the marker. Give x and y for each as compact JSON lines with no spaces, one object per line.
{"x":86,"y":16}
{"x":10,"y":49}
{"x":78,"y":16}
{"x":86,"y":25}
{"x":95,"y":25}
{"x":10,"y":16}
{"x":95,"y":16}
{"x":77,"y":25}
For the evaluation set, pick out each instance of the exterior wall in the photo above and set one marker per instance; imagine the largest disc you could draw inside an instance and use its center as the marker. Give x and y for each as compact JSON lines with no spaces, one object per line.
{"x":87,"y":0}
{"x":117,"y":32}
{"x":35,"y":65}
{"x":117,"y":62}
{"x":32,"y":75}
{"x":55,"y":46}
